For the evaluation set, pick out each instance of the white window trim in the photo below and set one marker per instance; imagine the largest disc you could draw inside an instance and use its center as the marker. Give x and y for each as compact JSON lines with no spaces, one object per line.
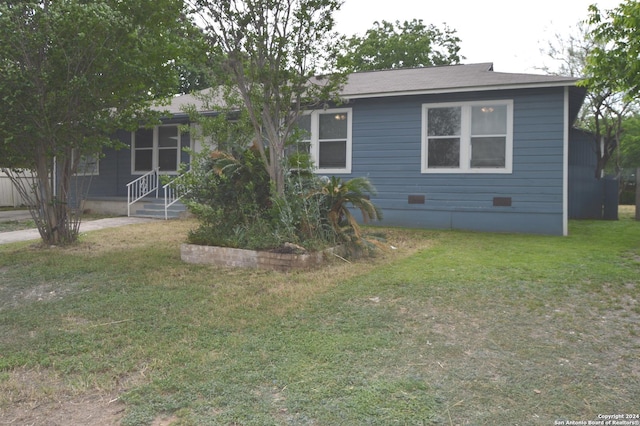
{"x":465,"y":138}
{"x":155,"y":152}
{"x":315,"y":142}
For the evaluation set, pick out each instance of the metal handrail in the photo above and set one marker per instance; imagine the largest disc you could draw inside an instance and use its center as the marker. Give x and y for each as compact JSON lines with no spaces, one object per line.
{"x":141,"y":187}
{"x":173,"y":192}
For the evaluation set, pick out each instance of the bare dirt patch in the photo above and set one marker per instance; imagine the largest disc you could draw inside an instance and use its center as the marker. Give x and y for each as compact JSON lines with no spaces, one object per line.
{"x":164,"y":421}
{"x":12,"y":297}
{"x":39,"y":398}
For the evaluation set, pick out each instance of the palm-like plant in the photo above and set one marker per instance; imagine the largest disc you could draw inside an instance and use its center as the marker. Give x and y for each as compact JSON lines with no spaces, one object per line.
{"x":339,"y":195}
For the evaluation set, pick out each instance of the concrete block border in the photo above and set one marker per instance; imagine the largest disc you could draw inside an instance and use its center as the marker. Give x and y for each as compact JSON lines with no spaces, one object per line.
{"x":240,"y":258}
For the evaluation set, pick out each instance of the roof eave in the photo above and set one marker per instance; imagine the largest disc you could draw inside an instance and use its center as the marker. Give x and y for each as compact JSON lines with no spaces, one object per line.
{"x":183,"y":117}
{"x":459,"y":90}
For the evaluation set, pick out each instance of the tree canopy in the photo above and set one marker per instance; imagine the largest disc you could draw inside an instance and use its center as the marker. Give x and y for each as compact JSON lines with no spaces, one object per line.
{"x":71,"y":73}
{"x":401,"y":45}
{"x":615,"y":62}
{"x":268,"y":52}
{"x":612,"y":74}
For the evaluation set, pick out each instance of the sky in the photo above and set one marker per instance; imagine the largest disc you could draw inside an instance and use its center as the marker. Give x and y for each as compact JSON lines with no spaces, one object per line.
{"x":509,"y":33}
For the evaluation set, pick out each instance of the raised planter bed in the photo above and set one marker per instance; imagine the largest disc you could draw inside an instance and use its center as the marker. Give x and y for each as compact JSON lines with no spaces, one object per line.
{"x":239,"y":258}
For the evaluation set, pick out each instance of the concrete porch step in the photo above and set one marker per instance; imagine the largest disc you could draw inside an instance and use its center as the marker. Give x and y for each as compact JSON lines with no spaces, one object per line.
{"x":154,"y":208}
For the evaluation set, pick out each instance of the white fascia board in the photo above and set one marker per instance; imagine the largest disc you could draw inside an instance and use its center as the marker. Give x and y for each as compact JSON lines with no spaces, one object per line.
{"x":456,"y":90}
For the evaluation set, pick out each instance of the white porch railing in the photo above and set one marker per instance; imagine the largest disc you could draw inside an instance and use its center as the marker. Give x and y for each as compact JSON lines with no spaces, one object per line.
{"x":174,"y":191}
{"x":141,"y":187}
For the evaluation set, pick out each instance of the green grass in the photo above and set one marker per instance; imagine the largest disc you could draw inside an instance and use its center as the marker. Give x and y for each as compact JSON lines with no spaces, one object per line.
{"x":16,"y":225}
{"x":451,"y":328}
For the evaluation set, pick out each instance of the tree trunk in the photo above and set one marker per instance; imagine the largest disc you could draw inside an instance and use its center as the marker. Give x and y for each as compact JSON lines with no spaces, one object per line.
{"x":47,"y":218}
{"x":52,"y":213}
{"x":277,"y":178}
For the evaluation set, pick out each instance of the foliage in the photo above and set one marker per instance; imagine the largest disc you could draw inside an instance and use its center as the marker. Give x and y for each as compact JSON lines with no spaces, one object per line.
{"x":354,"y":192}
{"x":71,"y":73}
{"x":229,"y":192}
{"x":195,"y":62}
{"x":231,"y":200}
{"x":629,"y":158}
{"x":615,"y":63}
{"x":300,"y":214}
{"x":611,"y":75}
{"x":606,"y":107}
{"x":230,"y":197}
{"x":410,"y":44}
{"x":230,"y":128}
{"x":630,"y":142}
{"x":268,"y":52}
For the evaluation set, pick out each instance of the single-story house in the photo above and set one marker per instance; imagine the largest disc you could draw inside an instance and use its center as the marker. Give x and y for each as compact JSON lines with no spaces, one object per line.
{"x":460,"y":147}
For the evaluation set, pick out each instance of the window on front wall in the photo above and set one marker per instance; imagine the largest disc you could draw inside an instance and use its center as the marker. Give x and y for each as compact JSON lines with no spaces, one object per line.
{"x":88,"y":165}
{"x":303,"y":146}
{"x":475,"y":137}
{"x":156,"y":148}
{"x":326,"y":135}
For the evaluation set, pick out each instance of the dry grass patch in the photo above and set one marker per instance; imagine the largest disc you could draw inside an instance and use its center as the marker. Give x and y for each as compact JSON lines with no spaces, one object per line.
{"x":40,"y":397}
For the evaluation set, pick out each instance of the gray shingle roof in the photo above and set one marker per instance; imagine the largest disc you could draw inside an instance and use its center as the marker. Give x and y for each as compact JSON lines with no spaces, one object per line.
{"x":443,"y":79}
{"x":179,"y":103}
{"x":413,"y":81}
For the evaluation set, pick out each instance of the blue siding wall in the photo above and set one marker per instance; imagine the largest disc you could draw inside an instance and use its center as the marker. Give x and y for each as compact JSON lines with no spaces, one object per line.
{"x":387,"y":150}
{"x":585,"y":191}
{"x":115,"y":168}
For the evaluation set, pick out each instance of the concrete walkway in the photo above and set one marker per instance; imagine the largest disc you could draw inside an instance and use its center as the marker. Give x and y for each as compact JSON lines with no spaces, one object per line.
{"x":13,"y":215}
{"x":33,"y":234}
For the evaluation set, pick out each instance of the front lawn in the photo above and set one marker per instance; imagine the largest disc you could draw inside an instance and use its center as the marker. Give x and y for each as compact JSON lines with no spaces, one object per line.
{"x":448,"y":328}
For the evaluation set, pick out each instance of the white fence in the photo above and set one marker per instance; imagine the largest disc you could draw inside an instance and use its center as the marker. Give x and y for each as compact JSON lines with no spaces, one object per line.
{"x":9,"y":196}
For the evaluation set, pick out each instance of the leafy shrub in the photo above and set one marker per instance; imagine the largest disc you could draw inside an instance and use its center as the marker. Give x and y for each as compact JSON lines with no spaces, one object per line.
{"x":300,"y":213}
{"x":354,"y":192}
{"x":230,"y":194}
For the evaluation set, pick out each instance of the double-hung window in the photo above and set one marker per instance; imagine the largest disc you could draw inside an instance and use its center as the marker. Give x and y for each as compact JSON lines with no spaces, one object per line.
{"x":327,"y":134}
{"x":158,"y":147}
{"x":470,"y":137}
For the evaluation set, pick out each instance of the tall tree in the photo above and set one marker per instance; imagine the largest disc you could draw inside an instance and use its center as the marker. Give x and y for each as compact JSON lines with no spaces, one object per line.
{"x":71,"y":73}
{"x":615,"y":61}
{"x":612,"y":74}
{"x":605,"y":108}
{"x":410,"y":44}
{"x":269,"y":52}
